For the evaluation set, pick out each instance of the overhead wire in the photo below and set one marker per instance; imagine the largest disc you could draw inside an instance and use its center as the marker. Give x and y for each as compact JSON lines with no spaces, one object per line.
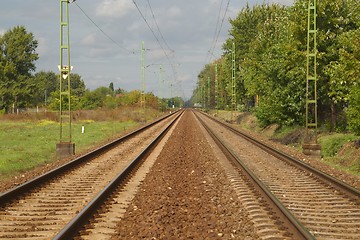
{"x":161,"y":35}
{"x":103,"y":32}
{"x":216,"y":36}
{"x":156,"y":38}
{"x":148,"y":25}
{"x":157,"y":26}
{"x":212,"y":46}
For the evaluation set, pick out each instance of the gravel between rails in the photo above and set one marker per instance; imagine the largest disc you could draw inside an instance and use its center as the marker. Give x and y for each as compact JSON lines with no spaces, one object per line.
{"x":186,"y":195}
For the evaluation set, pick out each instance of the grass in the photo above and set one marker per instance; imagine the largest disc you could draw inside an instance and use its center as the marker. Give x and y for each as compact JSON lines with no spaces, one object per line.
{"x":332,"y":143}
{"x":27,"y":144}
{"x":338,"y":152}
{"x":338,"y":149}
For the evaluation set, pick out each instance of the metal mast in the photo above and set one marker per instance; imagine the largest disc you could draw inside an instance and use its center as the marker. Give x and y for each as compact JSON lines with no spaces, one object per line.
{"x":311,"y":99}
{"x":216,"y":87}
{"x":203,"y":94}
{"x":209,"y":92}
{"x":233,"y":87}
{"x":310,"y":141}
{"x":65,"y":147}
{"x":160,"y":87}
{"x":142,"y":97}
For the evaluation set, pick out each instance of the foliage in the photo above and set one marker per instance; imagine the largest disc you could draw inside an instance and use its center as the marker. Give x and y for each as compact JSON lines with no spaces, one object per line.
{"x":95,"y":99}
{"x":42,"y":85}
{"x":333,"y":143}
{"x":270,"y":42}
{"x":77,"y":85}
{"x":111,"y":87}
{"x":353,"y":110}
{"x":17,"y":62}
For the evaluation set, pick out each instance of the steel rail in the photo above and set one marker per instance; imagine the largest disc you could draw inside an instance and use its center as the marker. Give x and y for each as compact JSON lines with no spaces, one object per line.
{"x":295,"y":227}
{"x":338,"y":184}
{"x":13,"y":193}
{"x":72,"y":228}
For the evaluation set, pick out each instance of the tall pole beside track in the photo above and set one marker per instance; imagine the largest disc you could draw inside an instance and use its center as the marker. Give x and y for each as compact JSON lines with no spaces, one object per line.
{"x":216,"y":88}
{"x":311,"y":146}
{"x":233,"y":82}
{"x":160,"y":87}
{"x":142,"y":97}
{"x":65,"y":147}
{"x":203,"y":95}
{"x":209,"y":92}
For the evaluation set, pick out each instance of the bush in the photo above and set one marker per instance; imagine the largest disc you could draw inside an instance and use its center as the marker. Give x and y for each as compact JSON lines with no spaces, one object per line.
{"x":333,"y":143}
{"x":353,"y":111}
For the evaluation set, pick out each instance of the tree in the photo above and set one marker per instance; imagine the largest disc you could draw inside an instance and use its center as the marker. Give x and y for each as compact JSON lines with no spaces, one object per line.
{"x":271,"y":43}
{"x":77,"y":85}
{"x":337,"y":21}
{"x":95,"y":99}
{"x":111,"y":87}
{"x":119,"y":91}
{"x":42,"y":85}
{"x":17,"y":62}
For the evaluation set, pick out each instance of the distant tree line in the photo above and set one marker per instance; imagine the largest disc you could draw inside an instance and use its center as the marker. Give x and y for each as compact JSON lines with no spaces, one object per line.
{"x":271,"y":43}
{"x":22,"y":87}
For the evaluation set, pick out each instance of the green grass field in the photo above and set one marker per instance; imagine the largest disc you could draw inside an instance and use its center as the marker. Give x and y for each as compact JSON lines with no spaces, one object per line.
{"x":27,"y":144}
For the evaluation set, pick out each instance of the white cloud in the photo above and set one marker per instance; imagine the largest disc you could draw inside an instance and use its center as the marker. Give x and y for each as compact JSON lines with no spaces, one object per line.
{"x":174,"y":12}
{"x":114,"y":8}
{"x":89,"y":39}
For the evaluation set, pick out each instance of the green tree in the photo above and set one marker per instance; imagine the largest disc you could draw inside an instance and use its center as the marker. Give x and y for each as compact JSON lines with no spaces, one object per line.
{"x":95,"y":99}
{"x":77,"y":90}
{"x":111,"y":87}
{"x":77,"y":85}
{"x":336,"y":20}
{"x":42,"y":85}
{"x":353,"y":111}
{"x":119,"y":91}
{"x":131,"y":98}
{"x":17,"y":62}
{"x":271,"y":45}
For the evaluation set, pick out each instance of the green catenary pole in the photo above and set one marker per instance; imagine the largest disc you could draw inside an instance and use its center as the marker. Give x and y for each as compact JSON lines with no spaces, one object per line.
{"x":311,"y":76}
{"x":142,"y":100}
{"x":209,"y":92}
{"x":216,"y":87}
{"x":233,"y":84}
{"x":160,"y":87}
{"x":310,"y":145}
{"x":65,"y":147}
{"x":203,"y":94}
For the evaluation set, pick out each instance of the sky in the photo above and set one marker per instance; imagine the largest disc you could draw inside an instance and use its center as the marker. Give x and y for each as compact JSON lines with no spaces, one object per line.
{"x":106,"y":37}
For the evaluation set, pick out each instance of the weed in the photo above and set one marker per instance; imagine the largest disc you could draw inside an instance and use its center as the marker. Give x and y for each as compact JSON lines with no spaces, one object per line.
{"x":331,"y":144}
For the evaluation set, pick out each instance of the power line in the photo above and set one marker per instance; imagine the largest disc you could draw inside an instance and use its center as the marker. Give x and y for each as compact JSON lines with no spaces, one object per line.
{"x":212,"y":48}
{"x":156,"y":38}
{"x":157,"y":26}
{"x":102,"y":31}
{"x":147,"y":23}
{"x":171,"y":63}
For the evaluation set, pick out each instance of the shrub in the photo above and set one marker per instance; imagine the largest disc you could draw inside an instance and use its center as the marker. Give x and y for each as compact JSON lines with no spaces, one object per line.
{"x":353,"y":111}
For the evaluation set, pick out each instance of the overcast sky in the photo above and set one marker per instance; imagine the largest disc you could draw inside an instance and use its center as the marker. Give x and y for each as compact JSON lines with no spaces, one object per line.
{"x":187,"y":26}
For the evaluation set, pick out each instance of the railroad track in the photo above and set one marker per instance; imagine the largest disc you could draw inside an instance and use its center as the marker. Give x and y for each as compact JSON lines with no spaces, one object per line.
{"x":57,"y":204}
{"x":312,"y":201}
